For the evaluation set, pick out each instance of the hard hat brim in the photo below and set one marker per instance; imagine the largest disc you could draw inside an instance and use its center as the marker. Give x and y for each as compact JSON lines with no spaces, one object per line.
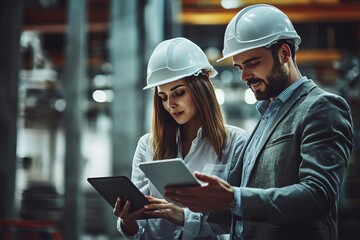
{"x":212,"y":70}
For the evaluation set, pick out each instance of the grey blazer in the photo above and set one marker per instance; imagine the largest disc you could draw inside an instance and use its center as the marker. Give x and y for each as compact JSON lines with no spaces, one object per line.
{"x":293,"y":189}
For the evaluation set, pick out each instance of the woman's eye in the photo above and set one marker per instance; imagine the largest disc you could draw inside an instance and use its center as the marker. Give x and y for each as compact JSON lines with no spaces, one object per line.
{"x":179,"y":93}
{"x":164,"y":99}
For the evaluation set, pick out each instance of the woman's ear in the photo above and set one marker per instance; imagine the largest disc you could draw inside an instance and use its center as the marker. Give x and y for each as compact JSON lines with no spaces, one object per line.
{"x":206,"y":73}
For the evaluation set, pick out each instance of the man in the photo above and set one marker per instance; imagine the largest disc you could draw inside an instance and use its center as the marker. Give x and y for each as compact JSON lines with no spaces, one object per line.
{"x":287,"y":182}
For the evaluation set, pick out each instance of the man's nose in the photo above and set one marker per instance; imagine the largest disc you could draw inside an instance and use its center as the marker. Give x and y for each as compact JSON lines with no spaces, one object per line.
{"x":245,"y":75}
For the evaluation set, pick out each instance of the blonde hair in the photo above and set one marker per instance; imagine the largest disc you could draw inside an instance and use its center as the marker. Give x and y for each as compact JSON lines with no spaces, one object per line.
{"x":165,"y":129}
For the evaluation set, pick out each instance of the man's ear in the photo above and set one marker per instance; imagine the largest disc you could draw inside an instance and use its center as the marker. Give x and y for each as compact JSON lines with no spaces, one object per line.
{"x":285,"y":53}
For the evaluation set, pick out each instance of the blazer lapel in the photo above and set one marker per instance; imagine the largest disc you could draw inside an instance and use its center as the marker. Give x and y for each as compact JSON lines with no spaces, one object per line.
{"x":299,"y":93}
{"x":235,"y":175}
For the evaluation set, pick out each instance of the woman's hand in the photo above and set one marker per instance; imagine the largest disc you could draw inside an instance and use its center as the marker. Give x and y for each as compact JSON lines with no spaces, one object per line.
{"x":128,"y":220}
{"x":162,"y":209}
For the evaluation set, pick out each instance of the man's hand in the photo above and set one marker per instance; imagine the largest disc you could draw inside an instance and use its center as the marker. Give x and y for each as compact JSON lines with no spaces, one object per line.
{"x":215,"y":195}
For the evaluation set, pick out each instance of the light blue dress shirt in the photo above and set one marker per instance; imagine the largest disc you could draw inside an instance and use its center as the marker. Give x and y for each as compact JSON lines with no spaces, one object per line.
{"x":202,"y":158}
{"x":268,"y":110}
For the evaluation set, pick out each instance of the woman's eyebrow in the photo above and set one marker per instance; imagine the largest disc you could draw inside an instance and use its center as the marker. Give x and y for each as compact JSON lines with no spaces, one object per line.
{"x":173,"y":88}
{"x":177,"y":86}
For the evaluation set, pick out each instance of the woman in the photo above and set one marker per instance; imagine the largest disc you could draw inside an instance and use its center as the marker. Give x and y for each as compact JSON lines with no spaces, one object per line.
{"x":187,"y":123}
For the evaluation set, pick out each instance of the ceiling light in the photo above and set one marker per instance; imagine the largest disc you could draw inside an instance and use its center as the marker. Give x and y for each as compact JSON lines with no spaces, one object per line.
{"x":229,"y":4}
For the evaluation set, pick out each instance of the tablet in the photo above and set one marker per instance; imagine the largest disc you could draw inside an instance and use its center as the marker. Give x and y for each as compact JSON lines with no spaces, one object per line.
{"x":168,"y":172}
{"x":119,"y":186}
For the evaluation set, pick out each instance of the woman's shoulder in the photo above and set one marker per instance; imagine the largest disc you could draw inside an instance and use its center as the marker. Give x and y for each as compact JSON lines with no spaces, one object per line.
{"x":145,"y":139}
{"x":235,"y":130}
{"x":144,"y":145}
{"x":236,"y":135}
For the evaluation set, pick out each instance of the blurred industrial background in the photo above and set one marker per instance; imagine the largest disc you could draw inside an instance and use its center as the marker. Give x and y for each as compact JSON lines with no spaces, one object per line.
{"x":72,"y":104}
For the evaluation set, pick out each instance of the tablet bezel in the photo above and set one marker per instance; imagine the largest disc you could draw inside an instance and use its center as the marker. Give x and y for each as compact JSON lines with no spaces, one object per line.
{"x":168,"y":172}
{"x":113,"y":186}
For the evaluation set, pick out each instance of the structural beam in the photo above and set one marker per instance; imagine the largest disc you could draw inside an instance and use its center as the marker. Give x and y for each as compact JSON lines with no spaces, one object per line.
{"x":10,"y":31}
{"x":75,"y":80}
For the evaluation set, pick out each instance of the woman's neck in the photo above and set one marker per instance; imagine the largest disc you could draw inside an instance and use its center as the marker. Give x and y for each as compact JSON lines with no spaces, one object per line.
{"x":188,"y":134}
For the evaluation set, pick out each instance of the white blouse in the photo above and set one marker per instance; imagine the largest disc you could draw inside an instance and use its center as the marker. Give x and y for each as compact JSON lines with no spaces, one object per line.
{"x":202,"y":158}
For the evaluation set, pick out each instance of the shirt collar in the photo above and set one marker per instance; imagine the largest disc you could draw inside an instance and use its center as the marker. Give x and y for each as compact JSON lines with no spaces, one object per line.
{"x":199,"y":134}
{"x":283,"y":96}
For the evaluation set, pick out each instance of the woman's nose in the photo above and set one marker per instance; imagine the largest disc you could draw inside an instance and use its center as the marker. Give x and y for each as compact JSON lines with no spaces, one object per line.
{"x":171,"y":103}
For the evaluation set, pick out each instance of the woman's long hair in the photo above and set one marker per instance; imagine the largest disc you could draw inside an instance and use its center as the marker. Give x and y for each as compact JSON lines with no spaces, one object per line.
{"x":165,"y":128}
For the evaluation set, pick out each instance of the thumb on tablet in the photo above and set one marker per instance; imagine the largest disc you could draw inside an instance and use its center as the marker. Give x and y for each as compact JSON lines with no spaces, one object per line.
{"x":205,"y":178}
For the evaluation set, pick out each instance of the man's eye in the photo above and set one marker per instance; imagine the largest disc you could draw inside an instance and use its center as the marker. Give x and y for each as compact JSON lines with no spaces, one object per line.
{"x":239,"y":70}
{"x":252,"y":64}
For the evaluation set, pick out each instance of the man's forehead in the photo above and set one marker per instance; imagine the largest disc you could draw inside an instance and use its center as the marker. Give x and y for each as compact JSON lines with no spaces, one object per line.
{"x":250,"y":55}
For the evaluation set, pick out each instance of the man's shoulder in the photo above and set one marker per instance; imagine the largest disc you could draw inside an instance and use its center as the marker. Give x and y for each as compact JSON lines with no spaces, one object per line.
{"x":318,"y":93}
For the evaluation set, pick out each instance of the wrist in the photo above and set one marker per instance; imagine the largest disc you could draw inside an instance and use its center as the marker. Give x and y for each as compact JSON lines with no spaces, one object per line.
{"x":130,"y":228}
{"x":232,"y":204}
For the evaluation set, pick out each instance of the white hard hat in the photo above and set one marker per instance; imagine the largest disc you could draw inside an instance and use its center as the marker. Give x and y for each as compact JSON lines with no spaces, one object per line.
{"x":174,"y":59}
{"x":256,"y":26}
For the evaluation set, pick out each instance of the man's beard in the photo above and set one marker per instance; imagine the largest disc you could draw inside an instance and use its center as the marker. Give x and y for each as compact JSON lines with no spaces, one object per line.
{"x":278,"y":80}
